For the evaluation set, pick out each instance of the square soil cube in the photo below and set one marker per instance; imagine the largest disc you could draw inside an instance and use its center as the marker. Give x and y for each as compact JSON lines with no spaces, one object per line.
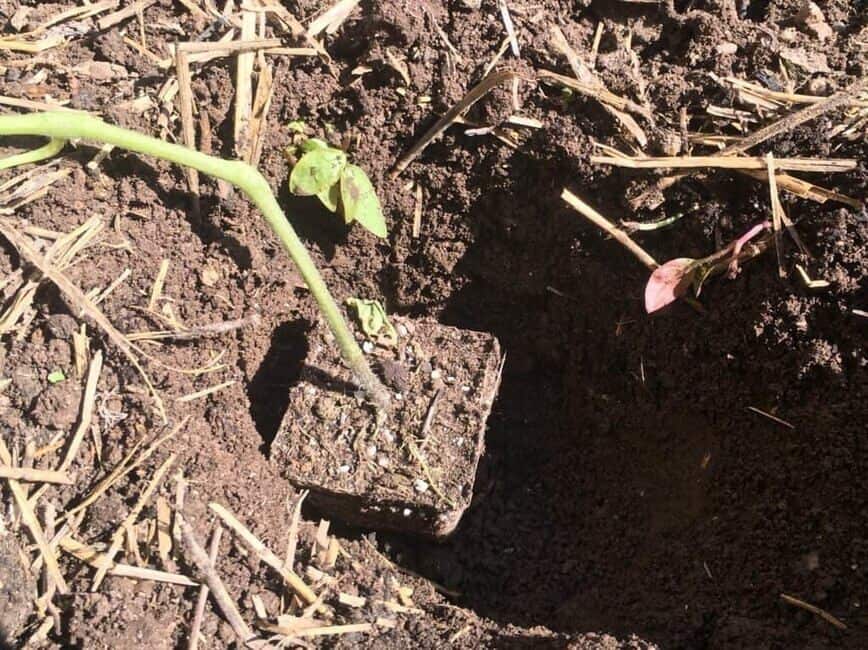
{"x":409,"y":470}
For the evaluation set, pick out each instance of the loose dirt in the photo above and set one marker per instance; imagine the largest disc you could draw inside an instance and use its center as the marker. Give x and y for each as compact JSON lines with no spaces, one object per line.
{"x":628,"y":495}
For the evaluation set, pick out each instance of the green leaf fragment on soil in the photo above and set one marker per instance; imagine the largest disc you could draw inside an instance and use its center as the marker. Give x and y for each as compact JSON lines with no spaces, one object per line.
{"x":56,"y":377}
{"x":373,"y":320}
{"x":317,"y":171}
{"x":360,"y":200}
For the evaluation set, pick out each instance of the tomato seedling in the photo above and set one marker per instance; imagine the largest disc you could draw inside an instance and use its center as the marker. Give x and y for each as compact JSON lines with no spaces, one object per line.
{"x":62,"y":126}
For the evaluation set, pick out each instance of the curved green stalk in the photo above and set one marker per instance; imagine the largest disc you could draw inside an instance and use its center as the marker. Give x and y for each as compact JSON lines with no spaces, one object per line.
{"x":51,"y":148}
{"x":68,"y":125}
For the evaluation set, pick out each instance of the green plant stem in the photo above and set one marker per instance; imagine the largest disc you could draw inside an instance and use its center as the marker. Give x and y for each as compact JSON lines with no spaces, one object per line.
{"x":51,"y":148}
{"x":69,"y":125}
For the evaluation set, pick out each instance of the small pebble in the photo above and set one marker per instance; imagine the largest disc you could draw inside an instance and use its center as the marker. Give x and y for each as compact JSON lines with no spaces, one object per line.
{"x":436,"y":374}
{"x":372,"y":451}
{"x":465,"y":389}
{"x":367,"y":347}
{"x":383,"y":461}
{"x":344,"y":469}
{"x":420,"y":485}
{"x":407,"y":512}
{"x":388,"y":435}
{"x":402,"y":331}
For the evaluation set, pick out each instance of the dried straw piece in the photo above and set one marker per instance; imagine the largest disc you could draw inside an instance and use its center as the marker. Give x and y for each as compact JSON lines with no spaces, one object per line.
{"x":786,"y":123}
{"x":33,"y":525}
{"x":123,"y":468}
{"x":185,"y":108}
{"x":509,"y":27}
{"x":828,"y":165}
{"x":97,"y":560}
{"x":202,"y":599}
{"x":331,"y":20}
{"x":33,"y":105}
{"x":157,"y":287}
{"x":163,"y":529}
{"x":328,"y":630}
{"x":122,"y":14}
{"x":244,"y":88}
{"x":221,"y":596}
{"x":200,"y":331}
{"x":88,"y":402}
{"x":259,"y":111}
{"x":616,"y":233}
{"x":826,"y":616}
{"x":32,"y":475}
{"x":205,"y":392}
{"x":265,"y":554}
{"x":777,"y":222}
{"x":611,"y":103}
{"x":292,"y":535}
{"x":472,"y":96}
{"x":118,"y":537}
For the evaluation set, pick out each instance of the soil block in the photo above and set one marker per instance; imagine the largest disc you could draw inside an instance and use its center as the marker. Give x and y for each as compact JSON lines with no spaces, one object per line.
{"x":412,"y":469}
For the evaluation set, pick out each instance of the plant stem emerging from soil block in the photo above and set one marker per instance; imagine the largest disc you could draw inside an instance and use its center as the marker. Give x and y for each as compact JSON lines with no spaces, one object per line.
{"x":65,"y":126}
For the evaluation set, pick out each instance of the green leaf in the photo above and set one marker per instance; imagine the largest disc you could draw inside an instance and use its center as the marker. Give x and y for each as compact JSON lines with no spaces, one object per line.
{"x":331,"y":197}
{"x":312,"y":144}
{"x":360,"y":200}
{"x":317,"y":171}
{"x":373,"y":320}
{"x":56,"y":377}
{"x":296,"y":126}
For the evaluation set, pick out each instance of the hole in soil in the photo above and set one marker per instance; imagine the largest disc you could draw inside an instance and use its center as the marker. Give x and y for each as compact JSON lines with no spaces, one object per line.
{"x":755,"y":10}
{"x":269,"y":389}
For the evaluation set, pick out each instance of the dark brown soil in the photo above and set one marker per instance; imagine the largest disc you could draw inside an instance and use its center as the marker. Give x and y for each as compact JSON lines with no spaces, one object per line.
{"x":627,"y":489}
{"x":16,"y":586}
{"x":409,"y":468}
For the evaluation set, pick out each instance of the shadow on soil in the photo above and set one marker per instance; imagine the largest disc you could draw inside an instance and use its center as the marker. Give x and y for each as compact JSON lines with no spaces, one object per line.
{"x":268,"y":391}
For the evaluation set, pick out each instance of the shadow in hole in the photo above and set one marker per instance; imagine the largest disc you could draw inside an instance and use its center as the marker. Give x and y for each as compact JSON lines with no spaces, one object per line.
{"x":524,"y":243}
{"x":268,"y":391}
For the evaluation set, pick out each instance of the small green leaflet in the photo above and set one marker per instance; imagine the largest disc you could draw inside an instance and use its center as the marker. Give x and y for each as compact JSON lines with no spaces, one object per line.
{"x":56,"y":377}
{"x":317,"y":171}
{"x":312,"y":144}
{"x":331,"y":197}
{"x":372,"y":318}
{"x":360,"y":200}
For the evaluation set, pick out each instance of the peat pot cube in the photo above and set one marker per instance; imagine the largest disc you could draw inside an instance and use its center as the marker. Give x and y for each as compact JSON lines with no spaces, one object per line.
{"x":411,"y":469}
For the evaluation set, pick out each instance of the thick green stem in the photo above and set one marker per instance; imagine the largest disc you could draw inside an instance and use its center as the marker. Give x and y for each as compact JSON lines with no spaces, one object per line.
{"x":70,"y":125}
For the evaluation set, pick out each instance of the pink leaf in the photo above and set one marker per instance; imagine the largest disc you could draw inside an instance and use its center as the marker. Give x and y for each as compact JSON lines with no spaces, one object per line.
{"x":668,"y":283}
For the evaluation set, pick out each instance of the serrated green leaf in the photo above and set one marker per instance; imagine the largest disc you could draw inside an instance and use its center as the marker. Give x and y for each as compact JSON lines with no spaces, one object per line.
{"x":56,"y":377}
{"x":317,"y":171}
{"x":373,"y":320}
{"x":331,"y":197}
{"x":360,"y":200}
